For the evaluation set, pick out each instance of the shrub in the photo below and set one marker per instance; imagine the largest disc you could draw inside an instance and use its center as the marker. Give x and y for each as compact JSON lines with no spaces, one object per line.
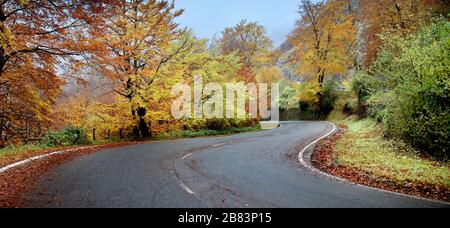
{"x":289,"y":98}
{"x":218,"y":124}
{"x":376,"y":105}
{"x":327,"y":99}
{"x":68,"y":136}
{"x":364,"y":86}
{"x":350,"y":107}
{"x":418,"y":107}
{"x":193,"y":124}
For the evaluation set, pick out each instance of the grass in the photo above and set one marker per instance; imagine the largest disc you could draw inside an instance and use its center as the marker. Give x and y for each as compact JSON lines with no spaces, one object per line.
{"x":17,"y":152}
{"x":364,"y":147}
{"x":18,"y":149}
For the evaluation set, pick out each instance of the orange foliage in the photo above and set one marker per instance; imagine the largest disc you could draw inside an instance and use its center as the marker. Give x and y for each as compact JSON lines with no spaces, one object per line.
{"x":137,"y":39}
{"x":38,"y":41}
{"x":401,"y":17}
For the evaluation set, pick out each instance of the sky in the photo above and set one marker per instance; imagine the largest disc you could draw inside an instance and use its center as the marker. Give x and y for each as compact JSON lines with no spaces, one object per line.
{"x":210,"y":17}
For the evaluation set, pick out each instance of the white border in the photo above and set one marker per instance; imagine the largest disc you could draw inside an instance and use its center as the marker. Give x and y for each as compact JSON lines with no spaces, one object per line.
{"x":40,"y":157}
{"x":313,"y":169}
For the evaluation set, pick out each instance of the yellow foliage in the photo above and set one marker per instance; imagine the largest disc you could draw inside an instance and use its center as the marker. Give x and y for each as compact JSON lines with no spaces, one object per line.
{"x":322,"y":40}
{"x":307,"y":92}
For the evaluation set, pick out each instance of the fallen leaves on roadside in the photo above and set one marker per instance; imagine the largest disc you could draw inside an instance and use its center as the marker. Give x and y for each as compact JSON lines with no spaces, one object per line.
{"x":323,"y":158}
{"x":15,"y":183}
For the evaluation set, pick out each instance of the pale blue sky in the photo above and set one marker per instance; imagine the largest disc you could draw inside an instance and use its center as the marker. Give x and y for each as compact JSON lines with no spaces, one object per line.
{"x":209,"y":17}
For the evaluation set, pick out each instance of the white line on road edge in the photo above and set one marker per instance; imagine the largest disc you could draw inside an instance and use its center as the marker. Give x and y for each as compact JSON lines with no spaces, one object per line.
{"x":186,"y":189}
{"x":302,"y":154}
{"x":320,"y":172}
{"x":40,"y":157}
{"x":221,"y":144}
{"x":186,"y":156}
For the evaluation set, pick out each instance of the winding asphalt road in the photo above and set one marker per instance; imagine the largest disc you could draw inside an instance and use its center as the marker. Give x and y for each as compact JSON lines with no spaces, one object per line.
{"x":256,"y":170}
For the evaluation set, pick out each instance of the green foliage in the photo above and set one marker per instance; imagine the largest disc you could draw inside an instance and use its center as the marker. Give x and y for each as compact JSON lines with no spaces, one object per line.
{"x":69,"y":136}
{"x":376,"y":105}
{"x":327,"y":99}
{"x":288,"y":98}
{"x":308,"y":101}
{"x":417,"y":77}
{"x":364,"y":86}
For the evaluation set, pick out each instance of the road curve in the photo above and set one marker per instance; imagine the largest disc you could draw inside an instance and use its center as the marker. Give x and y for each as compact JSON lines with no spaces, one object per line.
{"x":255,"y":170}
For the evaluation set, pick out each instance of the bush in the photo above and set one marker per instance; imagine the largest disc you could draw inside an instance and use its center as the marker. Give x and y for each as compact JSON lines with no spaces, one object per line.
{"x":69,"y":136}
{"x":376,"y":106}
{"x":327,"y":99}
{"x":418,"y":107}
{"x":237,"y":123}
{"x":364,"y":86}
{"x":193,"y":124}
{"x":218,"y":124}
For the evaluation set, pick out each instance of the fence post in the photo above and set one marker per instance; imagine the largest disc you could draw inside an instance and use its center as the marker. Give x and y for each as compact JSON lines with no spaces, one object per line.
{"x":93,"y":135}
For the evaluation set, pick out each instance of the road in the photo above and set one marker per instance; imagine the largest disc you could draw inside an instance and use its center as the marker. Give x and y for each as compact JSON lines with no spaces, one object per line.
{"x":256,"y":170}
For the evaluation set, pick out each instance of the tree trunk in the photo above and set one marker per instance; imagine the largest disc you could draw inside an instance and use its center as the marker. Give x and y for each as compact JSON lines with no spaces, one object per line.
{"x":2,"y":141}
{"x":142,"y":130}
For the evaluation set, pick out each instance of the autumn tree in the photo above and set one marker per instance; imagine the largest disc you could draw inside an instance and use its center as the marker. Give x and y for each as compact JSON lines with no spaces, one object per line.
{"x":250,"y":41}
{"x":93,"y":107}
{"x":138,"y":38}
{"x":199,"y":60}
{"x":395,"y":17}
{"x":39,"y":40}
{"x":109,"y":117}
{"x":323,"y":39}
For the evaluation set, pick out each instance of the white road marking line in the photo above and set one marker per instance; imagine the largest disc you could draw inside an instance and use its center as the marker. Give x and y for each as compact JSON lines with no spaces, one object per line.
{"x":187,"y":189}
{"x":320,"y":172}
{"x":221,"y":144}
{"x":186,"y":156}
{"x":40,"y":157}
{"x":302,"y":153}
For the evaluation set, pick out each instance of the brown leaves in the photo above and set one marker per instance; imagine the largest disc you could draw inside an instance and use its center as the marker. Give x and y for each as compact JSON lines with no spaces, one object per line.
{"x":323,"y":158}
{"x":394,"y":17}
{"x":15,"y":183}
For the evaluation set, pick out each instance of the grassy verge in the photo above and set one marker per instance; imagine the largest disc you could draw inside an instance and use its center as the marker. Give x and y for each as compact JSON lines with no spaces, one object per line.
{"x":14,"y":150}
{"x":16,"y":153}
{"x":363,"y":147}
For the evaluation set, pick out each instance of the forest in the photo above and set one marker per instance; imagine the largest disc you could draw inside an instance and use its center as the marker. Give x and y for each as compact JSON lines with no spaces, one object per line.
{"x":80,"y":72}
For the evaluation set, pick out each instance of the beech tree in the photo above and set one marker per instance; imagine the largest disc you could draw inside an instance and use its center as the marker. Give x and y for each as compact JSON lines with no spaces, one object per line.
{"x":250,"y":41}
{"x":38,"y":39}
{"x":138,"y":38}
{"x":323,"y":39}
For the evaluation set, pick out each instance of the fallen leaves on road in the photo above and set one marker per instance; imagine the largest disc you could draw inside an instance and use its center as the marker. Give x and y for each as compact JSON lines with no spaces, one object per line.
{"x":15,"y":183}
{"x":323,"y":158}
